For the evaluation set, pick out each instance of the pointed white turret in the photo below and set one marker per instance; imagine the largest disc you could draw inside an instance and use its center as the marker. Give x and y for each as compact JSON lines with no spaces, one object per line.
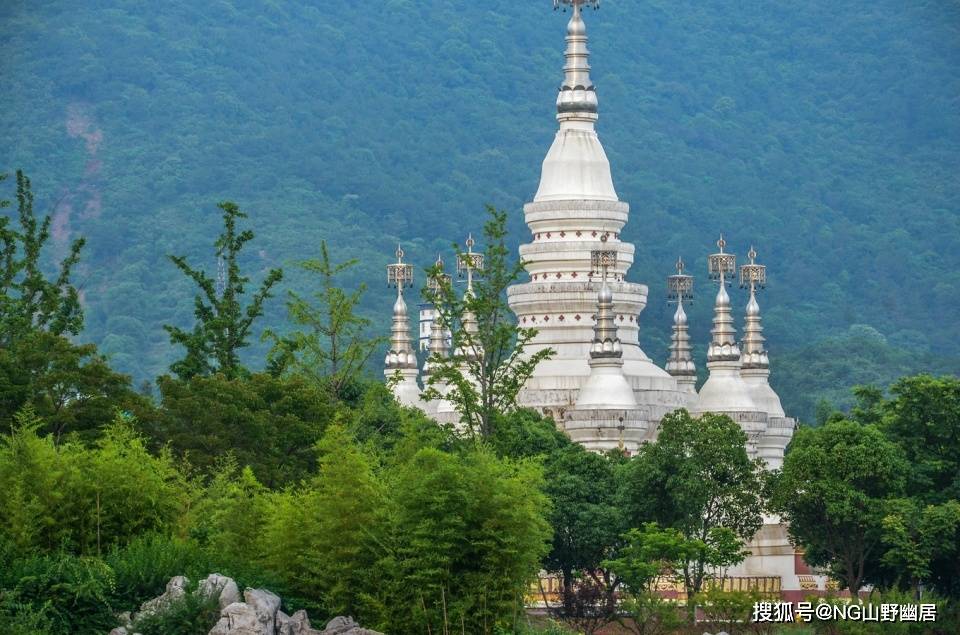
{"x":680,"y":363}
{"x":439,"y":341}
{"x":400,"y":365}
{"x":756,"y":370}
{"x":755,"y":363}
{"x":606,"y":414}
{"x":725,"y":392}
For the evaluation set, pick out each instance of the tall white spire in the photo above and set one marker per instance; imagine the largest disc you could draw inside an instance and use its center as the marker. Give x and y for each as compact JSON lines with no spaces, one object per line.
{"x":469,"y":265}
{"x":578,"y":97}
{"x":754,"y":277}
{"x":723,"y":344}
{"x":575,"y":204}
{"x":576,"y":167}
{"x":400,"y":365}
{"x":680,"y":363}
{"x":756,"y":363}
{"x":439,"y":342}
{"x":439,"y":345}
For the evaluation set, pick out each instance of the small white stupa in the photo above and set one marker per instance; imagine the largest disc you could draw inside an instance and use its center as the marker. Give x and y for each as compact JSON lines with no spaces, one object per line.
{"x":680,"y":364}
{"x":606,"y":414}
{"x":400,"y":365}
{"x":725,"y":392}
{"x":438,"y":347}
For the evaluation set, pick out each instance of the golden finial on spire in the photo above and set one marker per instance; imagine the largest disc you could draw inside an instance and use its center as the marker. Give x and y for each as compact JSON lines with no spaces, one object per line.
{"x":721,"y":264}
{"x":680,"y":285}
{"x":752,"y":275}
{"x":400,"y":273}
{"x":576,"y":4}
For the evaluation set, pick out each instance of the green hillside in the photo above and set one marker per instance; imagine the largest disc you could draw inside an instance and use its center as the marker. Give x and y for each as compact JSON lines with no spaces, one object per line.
{"x":826,"y":134}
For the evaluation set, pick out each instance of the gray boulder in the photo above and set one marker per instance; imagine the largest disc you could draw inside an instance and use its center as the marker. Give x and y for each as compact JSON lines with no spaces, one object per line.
{"x":296,"y":624}
{"x":176,"y":589}
{"x":266,"y":604}
{"x":346,"y":626}
{"x":238,"y":619}
{"x":220,"y":587}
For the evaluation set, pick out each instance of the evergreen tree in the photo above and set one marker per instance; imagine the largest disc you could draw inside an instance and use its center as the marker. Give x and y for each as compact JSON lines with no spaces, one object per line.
{"x":223,"y":325}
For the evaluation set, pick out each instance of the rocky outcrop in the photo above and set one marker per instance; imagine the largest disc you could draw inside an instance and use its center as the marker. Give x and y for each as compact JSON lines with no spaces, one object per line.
{"x":257,"y":613}
{"x":224,"y":588}
{"x":176,"y":589}
{"x":345,"y":626}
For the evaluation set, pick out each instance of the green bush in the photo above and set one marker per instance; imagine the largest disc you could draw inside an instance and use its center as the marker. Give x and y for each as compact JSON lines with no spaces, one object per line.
{"x":17,"y":618}
{"x":73,"y":593}
{"x":193,"y":614}
{"x":144,"y":567}
{"x":84,"y":500}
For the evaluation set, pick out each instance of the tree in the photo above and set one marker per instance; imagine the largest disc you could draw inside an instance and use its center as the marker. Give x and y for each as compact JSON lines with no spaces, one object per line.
{"x":268,"y":423}
{"x":832,"y":493}
{"x":84,"y":499}
{"x":490,"y":364}
{"x":922,"y":545}
{"x":586,"y":518}
{"x":923,"y":418}
{"x":698,"y":479}
{"x":69,"y":386}
{"x":325,"y":538}
{"x":223,"y":325}
{"x":469,"y":535}
{"x":648,"y":555}
{"x":334,"y":349}
{"x":29,"y":301}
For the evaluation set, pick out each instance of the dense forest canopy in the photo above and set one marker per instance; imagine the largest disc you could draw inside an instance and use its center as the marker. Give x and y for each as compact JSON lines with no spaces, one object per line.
{"x":825,"y":134}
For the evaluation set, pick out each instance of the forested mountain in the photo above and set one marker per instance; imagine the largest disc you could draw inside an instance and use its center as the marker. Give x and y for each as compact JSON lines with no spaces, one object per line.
{"x":826,"y":134}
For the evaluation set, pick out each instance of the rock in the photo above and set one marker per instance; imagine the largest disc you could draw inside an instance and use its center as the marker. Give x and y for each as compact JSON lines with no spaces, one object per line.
{"x":176,"y":589}
{"x":126,"y":619}
{"x":120,"y":630}
{"x":221,"y":587}
{"x":238,"y":619}
{"x":266,"y":604}
{"x":296,"y":624}
{"x":346,"y":626}
{"x":339,"y":625}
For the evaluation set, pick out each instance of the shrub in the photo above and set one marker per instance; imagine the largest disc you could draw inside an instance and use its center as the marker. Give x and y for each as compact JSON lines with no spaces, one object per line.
{"x":72,"y":592}
{"x":144,"y":567}
{"x":192,"y":614}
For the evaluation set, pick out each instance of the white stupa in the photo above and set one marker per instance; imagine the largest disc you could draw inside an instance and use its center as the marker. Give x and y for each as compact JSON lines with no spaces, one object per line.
{"x":575,"y":205}
{"x":606,"y":415}
{"x":725,"y":391}
{"x":600,"y":386}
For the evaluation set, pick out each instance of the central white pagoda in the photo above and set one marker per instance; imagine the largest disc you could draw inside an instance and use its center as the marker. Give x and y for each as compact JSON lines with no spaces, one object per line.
{"x":574,"y":210}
